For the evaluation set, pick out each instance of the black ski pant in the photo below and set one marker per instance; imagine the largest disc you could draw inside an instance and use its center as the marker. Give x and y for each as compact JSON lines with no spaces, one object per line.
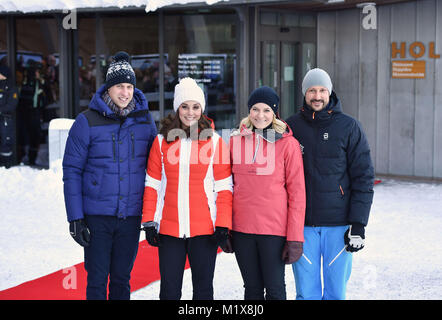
{"x":262,"y":268}
{"x":110,"y":256}
{"x":172,"y":252}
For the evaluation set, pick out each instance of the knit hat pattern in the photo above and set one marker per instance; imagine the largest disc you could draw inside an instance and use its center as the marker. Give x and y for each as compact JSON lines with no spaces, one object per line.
{"x":186,"y":90}
{"x":316,"y":77}
{"x":265,"y":95}
{"x":120,"y":71}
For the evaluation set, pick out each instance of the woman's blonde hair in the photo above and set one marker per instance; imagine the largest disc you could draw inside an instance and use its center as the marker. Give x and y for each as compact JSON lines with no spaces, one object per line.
{"x":277,"y":125}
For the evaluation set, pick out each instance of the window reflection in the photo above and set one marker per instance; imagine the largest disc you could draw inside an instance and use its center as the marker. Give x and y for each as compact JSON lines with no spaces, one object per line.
{"x":3,"y":57}
{"x":138,"y":36}
{"x":203,"y":47}
{"x":37,"y":79}
{"x":87,"y":72}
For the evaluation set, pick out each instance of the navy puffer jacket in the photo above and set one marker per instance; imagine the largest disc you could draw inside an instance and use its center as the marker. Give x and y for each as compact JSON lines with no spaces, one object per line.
{"x":104,"y":164}
{"x":339,"y":174}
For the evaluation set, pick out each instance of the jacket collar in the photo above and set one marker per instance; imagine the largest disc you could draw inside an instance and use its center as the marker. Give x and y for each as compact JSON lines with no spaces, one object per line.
{"x":97,"y":103}
{"x":333,"y":107}
{"x":269,"y":135}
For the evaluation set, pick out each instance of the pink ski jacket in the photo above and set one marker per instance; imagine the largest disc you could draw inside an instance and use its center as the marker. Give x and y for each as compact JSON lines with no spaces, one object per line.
{"x":268,"y":184}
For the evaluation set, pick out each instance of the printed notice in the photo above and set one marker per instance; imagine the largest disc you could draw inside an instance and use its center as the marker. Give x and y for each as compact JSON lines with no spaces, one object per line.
{"x":401,"y":69}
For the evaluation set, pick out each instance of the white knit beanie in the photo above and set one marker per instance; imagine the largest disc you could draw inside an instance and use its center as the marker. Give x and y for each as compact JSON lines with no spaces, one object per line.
{"x":316,"y":77}
{"x":187,"y":90}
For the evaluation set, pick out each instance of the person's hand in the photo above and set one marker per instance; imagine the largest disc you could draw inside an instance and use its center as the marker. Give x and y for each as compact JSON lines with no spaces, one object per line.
{"x":80,"y":232}
{"x":292,"y":251}
{"x":222,"y":238}
{"x":152,"y":236}
{"x":221,"y":235}
{"x":354,"y":237}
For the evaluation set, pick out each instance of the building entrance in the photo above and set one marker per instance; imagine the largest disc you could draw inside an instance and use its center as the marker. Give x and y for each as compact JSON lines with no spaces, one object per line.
{"x":287,"y":50}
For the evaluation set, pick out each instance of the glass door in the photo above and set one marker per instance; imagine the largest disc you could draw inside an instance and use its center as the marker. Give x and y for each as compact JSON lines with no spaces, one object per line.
{"x":270,"y":64}
{"x":278,"y":72}
{"x":287,"y":80}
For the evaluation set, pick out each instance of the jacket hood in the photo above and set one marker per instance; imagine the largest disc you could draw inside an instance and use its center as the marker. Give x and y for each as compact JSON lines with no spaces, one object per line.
{"x":97,"y":103}
{"x":334,"y":106}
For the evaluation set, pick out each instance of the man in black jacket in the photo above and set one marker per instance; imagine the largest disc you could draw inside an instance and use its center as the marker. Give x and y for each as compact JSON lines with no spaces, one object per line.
{"x":8,"y":104}
{"x":339,"y":178}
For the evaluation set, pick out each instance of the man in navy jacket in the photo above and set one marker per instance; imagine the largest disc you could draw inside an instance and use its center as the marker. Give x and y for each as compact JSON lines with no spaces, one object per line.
{"x":103,"y":172}
{"x":339,"y":179}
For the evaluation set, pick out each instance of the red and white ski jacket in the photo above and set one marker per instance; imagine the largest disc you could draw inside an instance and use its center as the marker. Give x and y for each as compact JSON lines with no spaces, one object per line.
{"x":188,"y":186}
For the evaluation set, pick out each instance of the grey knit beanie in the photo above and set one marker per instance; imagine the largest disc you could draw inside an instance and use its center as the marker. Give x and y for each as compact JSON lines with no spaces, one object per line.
{"x":316,"y":77}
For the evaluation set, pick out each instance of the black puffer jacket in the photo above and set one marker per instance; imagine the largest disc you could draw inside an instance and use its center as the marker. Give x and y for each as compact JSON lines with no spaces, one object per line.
{"x":339,"y":174}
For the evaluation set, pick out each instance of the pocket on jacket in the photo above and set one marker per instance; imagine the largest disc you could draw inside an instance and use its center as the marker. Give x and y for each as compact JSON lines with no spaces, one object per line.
{"x":92,"y":182}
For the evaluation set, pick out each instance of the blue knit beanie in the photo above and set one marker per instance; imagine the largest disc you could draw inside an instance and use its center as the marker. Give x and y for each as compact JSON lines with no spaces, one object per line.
{"x":120,"y":71}
{"x":265,"y":95}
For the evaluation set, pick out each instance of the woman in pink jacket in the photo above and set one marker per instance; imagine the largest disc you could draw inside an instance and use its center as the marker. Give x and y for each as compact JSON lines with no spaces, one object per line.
{"x":268,"y":197}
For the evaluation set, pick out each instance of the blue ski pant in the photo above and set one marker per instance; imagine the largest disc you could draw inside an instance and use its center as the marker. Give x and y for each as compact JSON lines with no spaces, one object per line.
{"x":326,"y":243}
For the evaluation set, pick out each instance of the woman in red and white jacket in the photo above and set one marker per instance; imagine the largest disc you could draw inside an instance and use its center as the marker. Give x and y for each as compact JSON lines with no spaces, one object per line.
{"x":268,"y":197}
{"x":187,"y":205}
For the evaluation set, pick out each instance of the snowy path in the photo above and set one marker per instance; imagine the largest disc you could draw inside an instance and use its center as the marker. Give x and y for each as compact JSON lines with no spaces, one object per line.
{"x":402,"y":258}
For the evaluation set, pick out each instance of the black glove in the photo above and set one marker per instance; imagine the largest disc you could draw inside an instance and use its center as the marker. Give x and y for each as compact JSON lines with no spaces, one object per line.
{"x":152,"y":236}
{"x":222,"y":239}
{"x":354,"y":237}
{"x":80,"y":232}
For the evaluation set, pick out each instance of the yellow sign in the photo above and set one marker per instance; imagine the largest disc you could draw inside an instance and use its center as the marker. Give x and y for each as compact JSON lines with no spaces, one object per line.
{"x":408,"y":69}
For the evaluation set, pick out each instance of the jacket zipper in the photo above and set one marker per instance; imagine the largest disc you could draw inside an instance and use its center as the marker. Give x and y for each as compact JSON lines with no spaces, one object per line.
{"x":256,"y":149}
{"x":312,"y":203}
{"x":133,"y":145}
{"x":186,"y":145}
{"x":342,"y":191}
{"x":113,"y":146}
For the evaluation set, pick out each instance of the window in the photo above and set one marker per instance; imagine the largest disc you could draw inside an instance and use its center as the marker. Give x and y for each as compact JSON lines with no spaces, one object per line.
{"x":203,"y":47}
{"x":138,"y":36}
{"x":37,"y":79}
{"x":3,"y":57}
{"x":87,"y":72}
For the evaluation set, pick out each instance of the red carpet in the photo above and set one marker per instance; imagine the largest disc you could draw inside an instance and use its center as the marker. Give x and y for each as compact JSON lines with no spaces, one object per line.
{"x":70,"y":283}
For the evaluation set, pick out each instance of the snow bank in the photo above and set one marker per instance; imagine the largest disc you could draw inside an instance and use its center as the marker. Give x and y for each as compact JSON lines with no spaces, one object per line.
{"x":57,"y":135}
{"x":402,"y":258}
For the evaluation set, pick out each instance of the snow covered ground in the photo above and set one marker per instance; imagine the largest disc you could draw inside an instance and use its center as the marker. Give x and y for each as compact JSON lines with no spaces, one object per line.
{"x":402,"y":258}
